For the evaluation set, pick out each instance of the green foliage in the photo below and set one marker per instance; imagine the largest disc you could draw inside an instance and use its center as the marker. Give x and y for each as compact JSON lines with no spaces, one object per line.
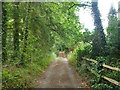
{"x":112,"y":37}
{"x":34,"y":31}
{"x":14,"y":77}
{"x":84,"y":49}
{"x":101,"y":86}
{"x":82,"y":69}
{"x":72,"y":58}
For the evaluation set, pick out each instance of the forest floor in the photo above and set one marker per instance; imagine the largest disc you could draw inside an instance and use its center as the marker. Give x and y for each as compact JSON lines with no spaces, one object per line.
{"x":60,"y":74}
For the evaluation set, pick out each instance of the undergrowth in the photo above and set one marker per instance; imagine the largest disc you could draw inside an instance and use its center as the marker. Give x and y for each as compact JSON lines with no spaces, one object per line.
{"x":81,"y":69}
{"x":72,"y":59}
{"x":22,"y":77}
{"x":95,"y":81}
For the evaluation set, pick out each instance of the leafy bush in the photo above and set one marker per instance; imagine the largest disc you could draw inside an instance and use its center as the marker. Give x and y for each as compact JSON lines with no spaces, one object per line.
{"x":16,"y":79}
{"x":84,"y":49}
{"x":72,"y":58}
{"x":101,"y":86}
{"x":96,"y":81}
{"x":82,"y":69}
{"x":22,"y":77}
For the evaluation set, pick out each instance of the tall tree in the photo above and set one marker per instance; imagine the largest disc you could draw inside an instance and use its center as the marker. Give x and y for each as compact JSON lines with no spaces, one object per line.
{"x":112,"y":11}
{"x":25,"y":33}
{"x":111,"y":18}
{"x":112,"y":31}
{"x":119,"y":27}
{"x":99,"y":29}
{"x":16,"y":29}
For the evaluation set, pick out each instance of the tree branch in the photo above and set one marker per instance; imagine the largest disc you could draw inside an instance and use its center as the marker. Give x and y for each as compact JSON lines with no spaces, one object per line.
{"x":80,"y":5}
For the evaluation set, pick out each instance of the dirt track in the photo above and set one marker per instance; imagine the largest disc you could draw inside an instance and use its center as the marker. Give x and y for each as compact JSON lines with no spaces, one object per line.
{"x":60,"y":75}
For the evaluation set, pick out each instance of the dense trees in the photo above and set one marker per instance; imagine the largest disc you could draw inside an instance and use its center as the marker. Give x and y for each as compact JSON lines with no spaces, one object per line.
{"x":37,"y":28}
{"x":31,"y":32}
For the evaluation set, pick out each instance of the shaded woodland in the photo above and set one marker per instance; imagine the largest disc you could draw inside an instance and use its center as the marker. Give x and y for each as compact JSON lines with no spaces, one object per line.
{"x":34,"y":33}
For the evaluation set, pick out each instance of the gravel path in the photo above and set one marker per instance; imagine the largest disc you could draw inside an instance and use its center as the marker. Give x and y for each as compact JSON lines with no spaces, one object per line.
{"x":59,"y":75}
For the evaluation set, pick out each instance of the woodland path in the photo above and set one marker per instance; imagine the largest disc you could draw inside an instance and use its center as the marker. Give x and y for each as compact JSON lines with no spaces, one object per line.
{"x":60,"y":74}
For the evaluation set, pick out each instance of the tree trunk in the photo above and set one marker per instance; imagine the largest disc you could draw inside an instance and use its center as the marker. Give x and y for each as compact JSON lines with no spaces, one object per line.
{"x":16,"y":30}
{"x":4,"y":32}
{"x":26,"y":34}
